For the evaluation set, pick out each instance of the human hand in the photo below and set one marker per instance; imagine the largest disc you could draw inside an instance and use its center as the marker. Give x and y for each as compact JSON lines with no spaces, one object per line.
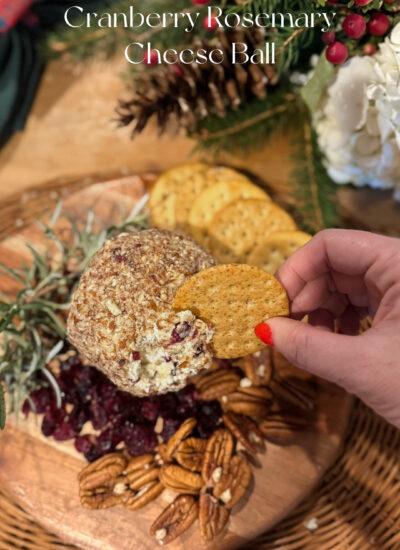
{"x":339,"y":278}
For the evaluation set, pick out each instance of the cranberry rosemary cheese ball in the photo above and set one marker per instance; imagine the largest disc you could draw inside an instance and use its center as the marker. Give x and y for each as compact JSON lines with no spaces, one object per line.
{"x":121,"y":318}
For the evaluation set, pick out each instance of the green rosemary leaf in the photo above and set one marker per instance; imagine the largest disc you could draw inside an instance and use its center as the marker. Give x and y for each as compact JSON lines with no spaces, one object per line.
{"x":14,"y":273}
{"x":55,"y":350}
{"x":17,"y":337}
{"x":56,"y":215}
{"x":54,"y":385}
{"x":2,"y":408}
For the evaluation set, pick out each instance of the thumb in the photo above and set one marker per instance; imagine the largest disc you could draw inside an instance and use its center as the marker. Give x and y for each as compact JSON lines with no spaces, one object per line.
{"x":331,"y":356}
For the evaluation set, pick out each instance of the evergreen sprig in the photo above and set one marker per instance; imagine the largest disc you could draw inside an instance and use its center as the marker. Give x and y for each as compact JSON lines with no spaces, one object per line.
{"x":313,"y":191}
{"x":251,"y":125}
{"x":32,"y":325}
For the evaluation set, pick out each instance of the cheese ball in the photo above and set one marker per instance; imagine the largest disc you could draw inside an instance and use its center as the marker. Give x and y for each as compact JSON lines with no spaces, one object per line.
{"x":121,"y":318}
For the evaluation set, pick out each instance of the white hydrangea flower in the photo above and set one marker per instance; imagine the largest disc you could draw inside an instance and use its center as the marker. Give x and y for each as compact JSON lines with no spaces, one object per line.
{"x":358,"y":123}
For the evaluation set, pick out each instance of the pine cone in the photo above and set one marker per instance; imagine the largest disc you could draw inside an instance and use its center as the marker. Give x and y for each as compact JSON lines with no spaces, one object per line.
{"x":188,"y":93}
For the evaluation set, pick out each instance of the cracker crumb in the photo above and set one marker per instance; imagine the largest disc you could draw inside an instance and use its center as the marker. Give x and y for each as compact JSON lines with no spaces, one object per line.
{"x":245,"y":383}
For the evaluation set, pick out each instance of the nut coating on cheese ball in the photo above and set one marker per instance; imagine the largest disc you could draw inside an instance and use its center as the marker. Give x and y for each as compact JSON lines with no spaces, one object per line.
{"x":121,"y":318}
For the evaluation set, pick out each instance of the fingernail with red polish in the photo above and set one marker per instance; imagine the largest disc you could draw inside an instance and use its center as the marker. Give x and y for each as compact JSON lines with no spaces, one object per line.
{"x":264,"y":333}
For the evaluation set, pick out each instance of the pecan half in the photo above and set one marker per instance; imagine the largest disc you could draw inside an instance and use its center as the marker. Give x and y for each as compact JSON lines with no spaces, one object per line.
{"x":281,"y":428}
{"x":175,"y":519}
{"x":180,"y":480}
{"x":141,"y":498}
{"x":139,"y":462}
{"x":101,"y":471}
{"x":216,"y":384}
{"x":184,"y":430}
{"x":190,"y":453}
{"x":295,"y":391}
{"x":232,"y":486}
{"x":245,"y":430}
{"x":138,"y":478}
{"x":212,"y":517}
{"x":162,"y":451}
{"x":217,"y":455}
{"x":248,"y":402}
{"x":110,"y":493}
{"x":257,"y":367}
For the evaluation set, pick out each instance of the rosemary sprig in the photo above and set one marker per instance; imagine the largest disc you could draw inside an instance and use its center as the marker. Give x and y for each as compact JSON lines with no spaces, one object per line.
{"x":32,"y":325}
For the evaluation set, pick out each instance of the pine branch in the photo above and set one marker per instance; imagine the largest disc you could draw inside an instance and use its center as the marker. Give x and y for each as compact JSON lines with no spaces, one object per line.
{"x":251,"y":125}
{"x":314,"y":192}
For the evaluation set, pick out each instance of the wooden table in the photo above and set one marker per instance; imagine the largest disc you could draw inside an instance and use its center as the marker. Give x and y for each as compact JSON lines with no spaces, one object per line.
{"x":71,"y":133}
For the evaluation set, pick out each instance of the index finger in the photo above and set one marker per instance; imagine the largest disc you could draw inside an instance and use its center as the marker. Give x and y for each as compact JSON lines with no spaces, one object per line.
{"x":343,"y":251}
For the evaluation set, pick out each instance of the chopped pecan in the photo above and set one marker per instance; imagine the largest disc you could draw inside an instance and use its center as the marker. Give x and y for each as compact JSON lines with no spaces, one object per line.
{"x":101,"y":471}
{"x":217,"y":455}
{"x":257,"y":367}
{"x":180,"y":480}
{"x":248,"y":402}
{"x":215,"y":384}
{"x":147,"y":494}
{"x":184,"y":430}
{"x":190,"y":453}
{"x":175,"y":519}
{"x":245,"y":430}
{"x":212,"y":517}
{"x":295,"y":391}
{"x":281,"y":428}
{"x":233,"y":485}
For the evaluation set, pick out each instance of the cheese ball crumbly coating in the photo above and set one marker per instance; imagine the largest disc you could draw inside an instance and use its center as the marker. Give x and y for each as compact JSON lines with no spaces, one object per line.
{"x":121,"y":318}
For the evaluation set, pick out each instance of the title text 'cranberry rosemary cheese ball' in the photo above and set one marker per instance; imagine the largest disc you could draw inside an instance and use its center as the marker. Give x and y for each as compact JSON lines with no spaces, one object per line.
{"x":121,"y":318}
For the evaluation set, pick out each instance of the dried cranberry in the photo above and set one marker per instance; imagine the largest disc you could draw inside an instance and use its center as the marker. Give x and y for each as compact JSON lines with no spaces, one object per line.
{"x":208,"y":416}
{"x":108,"y":390}
{"x":170,"y":425}
{"x":150,"y":410}
{"x":26,"y":407}
{"x":42,"y":399}
{"x":78,"y":416}
{"x":83,"y":444}
{"x":168,"y":404}
{"x":93,"y":454}
{"x":64,"y":432}
{"x":189,"y":395}
{"x":98,"y":415}
{"x":140,"y":439}
{"x":135,"y":356}
{"x":180,"y":332}
{"x":107,"y":441}
{"x":71,"y":362}
{"x":48,"y":426}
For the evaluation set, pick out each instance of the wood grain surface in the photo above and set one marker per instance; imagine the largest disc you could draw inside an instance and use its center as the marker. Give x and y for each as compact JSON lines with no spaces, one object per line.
{"x":40,"y":473}
{"x":71,"y":132}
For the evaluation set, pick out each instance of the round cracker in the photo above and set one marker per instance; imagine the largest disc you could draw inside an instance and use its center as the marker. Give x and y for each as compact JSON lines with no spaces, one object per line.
{"x":210,"y":201}
{"x":234,"y":299}
{"x":273,"y":251}
{"x":196,"y":185}
{"x":242,"y":224}
{"x":165,"y":191}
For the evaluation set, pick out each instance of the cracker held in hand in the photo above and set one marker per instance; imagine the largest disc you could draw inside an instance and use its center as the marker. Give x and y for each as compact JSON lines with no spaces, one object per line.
{"x":273,"y":251}
{"x":236,"y":229}
{"x":196,"y":185}
{"x":233,"y":299}
{"x":210,"y":201}
{"x":167,"y":188}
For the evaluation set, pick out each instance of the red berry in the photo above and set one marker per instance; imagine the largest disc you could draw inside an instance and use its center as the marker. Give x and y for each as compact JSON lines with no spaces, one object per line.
{"x":210,"y":23}
{"x":378,"y":24}
{"x":369,"y":49}
{"x":354,"y":25}
{"x":200,"y":1}
{"x":337,"y":53}
{"x":362,"y":2}
{"x":150,"y":58}
{"x":328,"y":37}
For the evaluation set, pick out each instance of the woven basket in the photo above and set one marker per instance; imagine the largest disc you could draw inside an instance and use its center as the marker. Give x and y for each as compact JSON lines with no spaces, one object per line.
{"x":357,"y":506}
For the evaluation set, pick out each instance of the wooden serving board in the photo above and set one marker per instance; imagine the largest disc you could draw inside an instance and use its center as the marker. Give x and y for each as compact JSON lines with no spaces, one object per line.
{"x":40,"y":473}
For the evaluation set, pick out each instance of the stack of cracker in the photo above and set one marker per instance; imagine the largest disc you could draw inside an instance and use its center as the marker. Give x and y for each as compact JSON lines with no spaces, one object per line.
{"x":227,"y":214}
